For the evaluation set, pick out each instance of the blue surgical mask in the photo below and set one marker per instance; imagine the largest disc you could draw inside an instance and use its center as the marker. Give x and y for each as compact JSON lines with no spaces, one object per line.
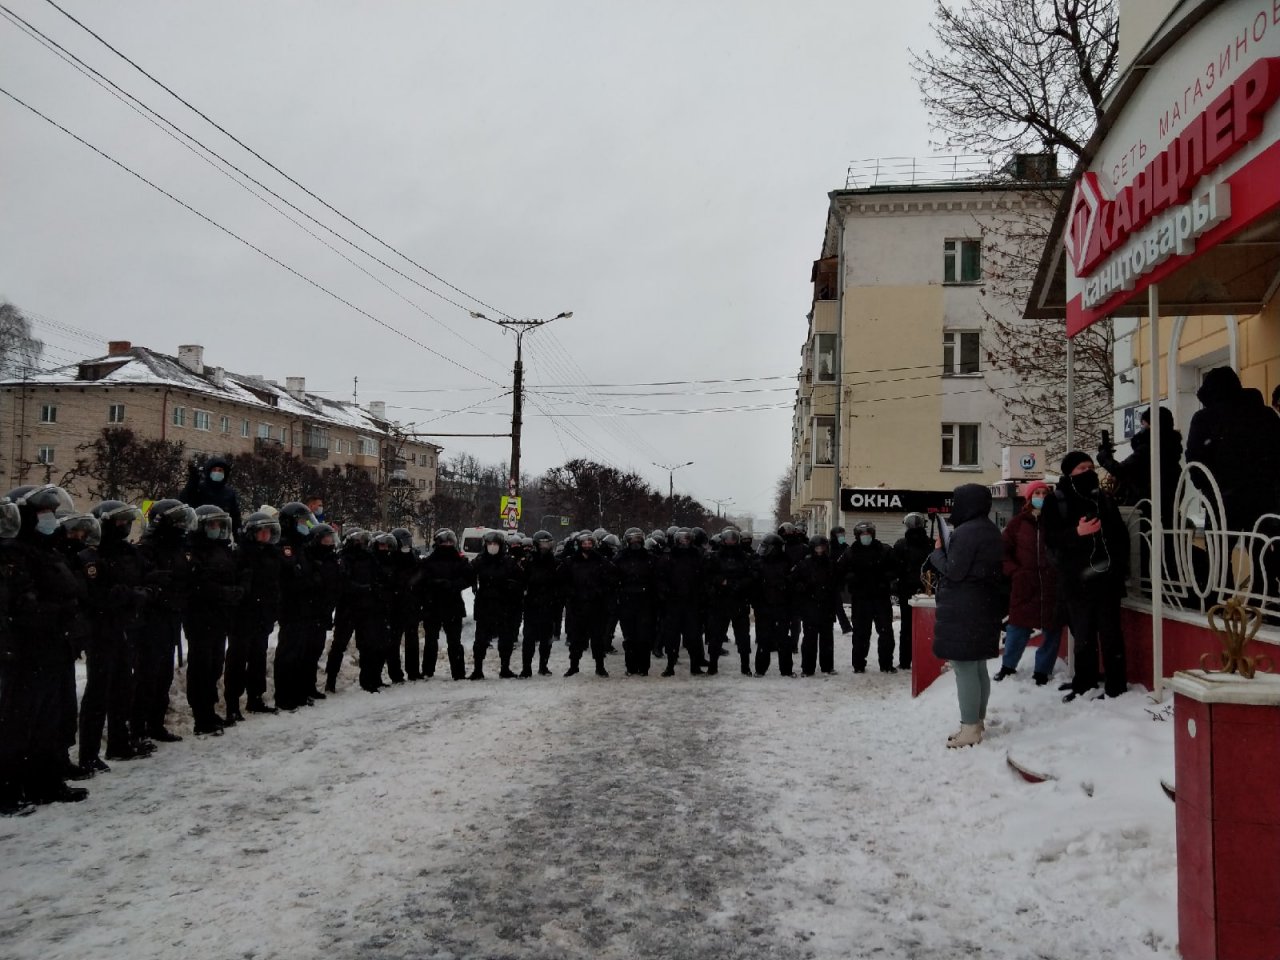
{"x":318,"y":514}
{"x":46,"y":523}
{"x":303,"y":528}
{"x":1037,"y":502}
{"x":213,"y":533}
{"x":865,"y":539}
{"x":216,"y":476}
{"x":840,"y":538}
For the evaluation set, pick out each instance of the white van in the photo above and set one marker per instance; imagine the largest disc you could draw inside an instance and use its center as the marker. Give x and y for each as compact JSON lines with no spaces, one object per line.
{"x":473,"y":540}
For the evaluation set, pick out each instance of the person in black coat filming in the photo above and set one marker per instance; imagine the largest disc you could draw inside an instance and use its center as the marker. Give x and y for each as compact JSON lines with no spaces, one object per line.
{"x":971,"y":603}
{"x":1090,"y":544}
{"x":210,"y":484}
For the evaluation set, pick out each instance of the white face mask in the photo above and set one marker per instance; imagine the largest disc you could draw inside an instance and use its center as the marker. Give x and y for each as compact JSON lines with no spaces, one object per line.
{"x":493,"y":549}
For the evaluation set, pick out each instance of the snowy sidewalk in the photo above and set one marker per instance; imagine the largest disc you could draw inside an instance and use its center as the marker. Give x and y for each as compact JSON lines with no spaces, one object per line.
{"x":690,"y":817}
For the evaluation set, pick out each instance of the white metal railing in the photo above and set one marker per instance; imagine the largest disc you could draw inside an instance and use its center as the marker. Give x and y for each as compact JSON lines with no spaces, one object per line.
{"x":1204,"y":563}
{"x":918,"y":171}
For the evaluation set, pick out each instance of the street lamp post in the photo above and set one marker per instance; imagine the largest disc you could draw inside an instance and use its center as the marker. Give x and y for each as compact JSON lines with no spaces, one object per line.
{"x":721,"y":503}
{"x":671,"y":484}
{"x":521,"y":327}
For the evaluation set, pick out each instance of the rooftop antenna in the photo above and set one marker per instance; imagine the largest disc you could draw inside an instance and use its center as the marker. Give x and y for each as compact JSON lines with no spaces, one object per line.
{"x":355,"y":390}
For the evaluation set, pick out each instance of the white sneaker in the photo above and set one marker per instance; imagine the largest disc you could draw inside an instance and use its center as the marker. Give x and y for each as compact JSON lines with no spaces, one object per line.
{"x":969,"y":735}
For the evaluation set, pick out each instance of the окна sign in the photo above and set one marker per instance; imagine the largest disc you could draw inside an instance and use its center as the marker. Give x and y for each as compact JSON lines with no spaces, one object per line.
{"x":877,"y":500}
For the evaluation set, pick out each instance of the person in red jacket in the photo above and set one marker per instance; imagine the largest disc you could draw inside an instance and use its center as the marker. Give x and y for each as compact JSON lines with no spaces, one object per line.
{"x":1033,"y":598}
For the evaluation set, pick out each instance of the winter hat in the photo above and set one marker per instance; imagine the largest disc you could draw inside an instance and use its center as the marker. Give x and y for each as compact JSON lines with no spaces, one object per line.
{"x":1073,"y":460}
{"x":1033,"y":487}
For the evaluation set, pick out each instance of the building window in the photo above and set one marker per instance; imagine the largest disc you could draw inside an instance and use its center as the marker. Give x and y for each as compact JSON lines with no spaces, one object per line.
{"x":48,"y":413}
{"x":962,"y":261}
{"x":179,"y":416}
{"x":202,"y":420}
{"x":960,"y":353}
{"x":115,"y":413}
{"x":959,"y":445}
{"x":422,"y":483}
{"x":44,"y":455}
{"x":224,"y":424}
{"x":824,"y":441}
{"x":367,"y":447}
{"x":264,"y":431}
{"x":825,"y":354}
{"x":244,"y":428}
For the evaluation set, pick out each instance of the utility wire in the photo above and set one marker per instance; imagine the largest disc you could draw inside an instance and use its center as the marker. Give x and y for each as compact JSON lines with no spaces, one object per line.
{"x":235,"y":236}
{"x":178,"y":135}
{"x":217,"y":126}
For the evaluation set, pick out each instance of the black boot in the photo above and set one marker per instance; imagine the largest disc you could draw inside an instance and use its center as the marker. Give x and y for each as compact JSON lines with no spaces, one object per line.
{"x":505,"y":672}
{"x":477,"y":673}
{"x":746,"y":664}
{"x":573,"y":668}
{"x":331,"y":683}
{"x":543,"y":660}
{"x":714,"y":666}
{"x":256,"y":705}
{"x":600,"y":670}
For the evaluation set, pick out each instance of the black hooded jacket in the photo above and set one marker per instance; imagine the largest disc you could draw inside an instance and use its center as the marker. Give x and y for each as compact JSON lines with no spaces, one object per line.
{"x":1097,"y":564}
{"x":1134,"y":472}
{"x":910,"y":554}
{"x":1237,"y":438}
{"x":201,"y":490}
{"x":971,"y":596}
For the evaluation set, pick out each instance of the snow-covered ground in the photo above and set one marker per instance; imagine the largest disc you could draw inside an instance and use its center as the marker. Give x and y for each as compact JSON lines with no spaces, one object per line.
{"x":699,"y":817}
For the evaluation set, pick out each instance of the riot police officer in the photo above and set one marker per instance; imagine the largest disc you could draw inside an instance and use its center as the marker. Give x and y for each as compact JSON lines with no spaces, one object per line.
{"x":773,"y":602}
{"x":217,"y":587}
{"x":817,"y":588}
{"x":638,"y":576}
{"x":261,"y":565}
{"x":867,"y":568}
{"x":541,"y":604}
{"x":498,"y":592}
{"x":587,"y":584}
{"x":445,"y":575}
{"x":405,"y":613}
{"x":730,"y":576}
{"x":683,"y":592}
{"x":159,"y":636}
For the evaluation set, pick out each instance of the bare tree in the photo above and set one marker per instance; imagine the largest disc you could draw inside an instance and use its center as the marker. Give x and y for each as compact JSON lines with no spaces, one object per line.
{"x":20,"y":350}
{"x":1027,"y":76}
{"x":782,"y":499}
{"x":119,"y":465}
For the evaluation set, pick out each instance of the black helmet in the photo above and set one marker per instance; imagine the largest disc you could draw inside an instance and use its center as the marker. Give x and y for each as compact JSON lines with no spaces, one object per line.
{"x":404,"y":539}
{"x":699,"y":537}
{"x":771,"y":544}
{"x":818,"y":543}
{"x":213,"y":522}
{"x":865,"y":526}
{"x":730,"y":537}
{"x":43,"y":498}
{"x":515,"y":538}
{"x":116,"y":518}
{"x":599,"y":533}
{"x":445,"y":538}
{"x":787,"y":529}
{"x":83,"y":527}
{"x":586,"y":540}
{"x":357,"y":539}
{"x":683,"y":537}
{"x":386,"y":543}
{"x":261,"y":520}
{"x":671,"y":531}
{"x":748,"y":538}
{"x":915,"y":521}
{"x":658,"y":537}
{"x":835,"y":530}
{"x":321,"y":537}
{"x":495,"y":536}
{"x":633,"y":535}
{"x":172,"y":516}
{"x":715,"y":541}
{"x":544,"y":537}
{"x":612,"y":540}
{"x":294,"y":515}
{"x":10,"y":519}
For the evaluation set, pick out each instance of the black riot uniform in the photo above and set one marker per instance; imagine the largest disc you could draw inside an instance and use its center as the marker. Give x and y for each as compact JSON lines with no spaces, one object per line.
{"x":366,"y":593}
{"x":261,"y":565}
{"x":772,"y":599}
{"x":445,"y":575}
{"x":307,"y":596}
{"x":730,"y":576}
{"x":817,"y":591}
{"x":159,"y":636}
{"x":588,"y":583}
{"x":541,"y":604}
{"x":406,"y":612}
{"x":499,"y":591}
{"x":217,"y":587}
{"x":910,"y":554}
{"x":638,"y":582}
{"x":683,"y":591}
{"x":867,"y":569}
{"x":116,"y":576}
{"x":45,"y":599}
{"x":796,"y":546}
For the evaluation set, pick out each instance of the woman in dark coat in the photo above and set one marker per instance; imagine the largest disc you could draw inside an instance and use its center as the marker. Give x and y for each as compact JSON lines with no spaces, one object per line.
{"x":1033,"y":593}
{"x":970,"y":605}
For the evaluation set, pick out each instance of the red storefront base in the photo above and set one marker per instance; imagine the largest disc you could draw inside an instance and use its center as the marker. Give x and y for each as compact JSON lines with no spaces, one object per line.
{"x":1226,"y":752}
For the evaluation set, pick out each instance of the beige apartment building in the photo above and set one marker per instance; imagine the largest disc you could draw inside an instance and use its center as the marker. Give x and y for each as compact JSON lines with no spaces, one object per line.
{"x":896,"y":403}
{"x":46,"y":417}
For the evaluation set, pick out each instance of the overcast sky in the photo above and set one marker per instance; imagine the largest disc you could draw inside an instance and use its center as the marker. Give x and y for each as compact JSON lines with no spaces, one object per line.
{"x":660,"y":169}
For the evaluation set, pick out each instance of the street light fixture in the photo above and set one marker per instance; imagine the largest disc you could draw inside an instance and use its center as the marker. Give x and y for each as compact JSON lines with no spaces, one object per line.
{"x":671,"y":487}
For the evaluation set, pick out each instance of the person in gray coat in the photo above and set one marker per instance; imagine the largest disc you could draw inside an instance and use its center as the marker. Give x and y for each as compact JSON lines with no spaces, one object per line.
{"x":970,"y":605}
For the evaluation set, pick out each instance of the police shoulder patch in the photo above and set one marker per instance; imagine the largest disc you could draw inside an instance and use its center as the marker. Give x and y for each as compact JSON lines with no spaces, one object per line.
{"x":287,"y":551}
{"x":91,"y":571}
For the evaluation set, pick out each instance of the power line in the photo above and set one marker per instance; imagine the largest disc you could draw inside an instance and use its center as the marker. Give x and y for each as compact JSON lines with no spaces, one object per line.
{"x":231,"y":233}
{"x":156,"y":119}
{"x":217,"y":126}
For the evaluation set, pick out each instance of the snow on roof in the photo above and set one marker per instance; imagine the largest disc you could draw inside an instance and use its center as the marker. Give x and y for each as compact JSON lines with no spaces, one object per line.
{"x":141,"y":366}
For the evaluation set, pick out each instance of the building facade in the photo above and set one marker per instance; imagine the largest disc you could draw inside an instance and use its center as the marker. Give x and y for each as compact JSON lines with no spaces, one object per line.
{"x":897,"y":403}
{"x":48,"y":418}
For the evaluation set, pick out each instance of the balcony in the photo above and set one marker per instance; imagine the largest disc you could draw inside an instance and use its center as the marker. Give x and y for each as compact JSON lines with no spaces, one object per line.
{"x":819,"y":486}
{"x":310,"y":452}
{"x":261,"y":444}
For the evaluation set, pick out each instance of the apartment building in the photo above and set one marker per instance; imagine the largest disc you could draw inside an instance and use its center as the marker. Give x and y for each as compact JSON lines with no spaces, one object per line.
{"x":47,"y":417}
{"x":897,"y":403}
